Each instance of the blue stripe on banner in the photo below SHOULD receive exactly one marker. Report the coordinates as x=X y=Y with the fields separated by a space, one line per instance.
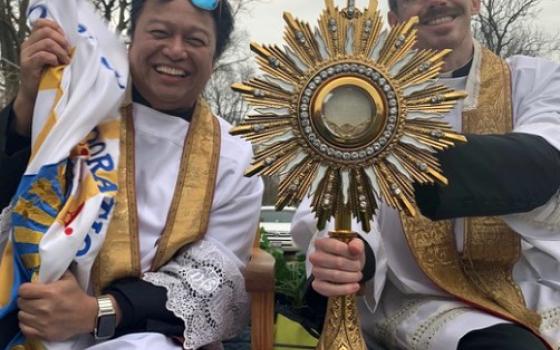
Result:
x=26 y=248
x=25 y=273
x=48 y=172
x=39 y=203
x=48 y=209
x=19 y=276
x=21 y=221
x=24 y=186
x=59 y=184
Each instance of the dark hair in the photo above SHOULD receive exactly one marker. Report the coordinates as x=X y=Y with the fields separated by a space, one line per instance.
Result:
x=222 y=15
x=393 y=5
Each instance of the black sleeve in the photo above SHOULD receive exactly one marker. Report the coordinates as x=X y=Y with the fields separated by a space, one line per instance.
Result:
x=369 y=268
x=143 y=308
x=493 y=175
x=15 y=151
x=9 y=327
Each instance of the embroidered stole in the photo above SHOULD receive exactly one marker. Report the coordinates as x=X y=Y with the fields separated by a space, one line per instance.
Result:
x=188 y=215
x=482 y=275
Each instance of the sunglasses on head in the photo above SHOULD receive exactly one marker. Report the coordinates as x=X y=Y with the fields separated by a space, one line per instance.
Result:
x=208 y=5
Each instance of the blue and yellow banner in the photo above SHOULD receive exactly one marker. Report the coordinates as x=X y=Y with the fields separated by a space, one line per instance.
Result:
x=60 y=213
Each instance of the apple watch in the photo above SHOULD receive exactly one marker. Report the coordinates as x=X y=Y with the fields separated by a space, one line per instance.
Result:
x=106 y=318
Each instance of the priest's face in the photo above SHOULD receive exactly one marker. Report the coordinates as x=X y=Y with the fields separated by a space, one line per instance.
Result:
x=444 y=24
x=172 y=53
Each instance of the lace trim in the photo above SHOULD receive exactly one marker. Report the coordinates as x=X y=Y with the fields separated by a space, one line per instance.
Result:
x=550 y=319
x=385 y=332
x=206 y=291
x=546 y=216
x=422 y=338
x=5 y=227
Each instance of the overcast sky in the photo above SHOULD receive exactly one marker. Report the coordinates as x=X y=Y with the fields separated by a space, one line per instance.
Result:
x=265 y=24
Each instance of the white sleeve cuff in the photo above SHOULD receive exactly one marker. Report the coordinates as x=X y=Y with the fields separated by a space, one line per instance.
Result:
x=206 y=291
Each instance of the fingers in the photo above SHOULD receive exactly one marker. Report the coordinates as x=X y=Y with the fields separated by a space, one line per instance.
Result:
x=349 y=250
x=35 y=328
x=45 y=39
x=45 y=52
x=45 y=47
x=356 y=247
x=336 y=276
x=36 y=307
x=30 y=321
x=29 y=332
x=57 y=310
x=333 y=254
x=333 y=262
x=337 y=266
x=333 y=247
x=45 y=28
x=30 y=291
x=333 y=290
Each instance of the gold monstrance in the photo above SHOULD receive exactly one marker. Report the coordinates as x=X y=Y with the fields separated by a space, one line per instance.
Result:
x=349 y=115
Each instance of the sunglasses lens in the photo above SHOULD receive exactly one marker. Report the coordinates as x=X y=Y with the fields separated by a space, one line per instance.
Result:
x=208 y=5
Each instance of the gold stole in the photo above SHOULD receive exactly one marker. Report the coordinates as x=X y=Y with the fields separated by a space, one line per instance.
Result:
x=482 y=275
x=188 y=215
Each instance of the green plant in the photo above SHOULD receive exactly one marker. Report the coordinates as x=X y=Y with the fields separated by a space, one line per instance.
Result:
x=291 y=285
x=290 y=274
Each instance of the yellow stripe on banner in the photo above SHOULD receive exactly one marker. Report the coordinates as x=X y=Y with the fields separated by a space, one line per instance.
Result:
x=31 y=261
x=30 y=344
x=25 y=235
x=34 y=344
x=110 y=129
x=6 y=274
x=44 y=190
x=50 y=80
x=61 y=176
x=29 y=210
x=49 y=124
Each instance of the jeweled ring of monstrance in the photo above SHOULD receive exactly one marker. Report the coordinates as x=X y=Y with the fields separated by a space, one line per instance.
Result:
x=350 y=115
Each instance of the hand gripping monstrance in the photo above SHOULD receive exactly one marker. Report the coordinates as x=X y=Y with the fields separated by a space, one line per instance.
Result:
x=349 y=115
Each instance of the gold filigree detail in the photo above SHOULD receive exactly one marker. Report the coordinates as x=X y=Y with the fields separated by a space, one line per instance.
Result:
x=302 y=138
x=342 y=328
x=482 y=275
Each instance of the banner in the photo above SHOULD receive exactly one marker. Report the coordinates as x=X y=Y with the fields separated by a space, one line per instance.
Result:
x=60 y=213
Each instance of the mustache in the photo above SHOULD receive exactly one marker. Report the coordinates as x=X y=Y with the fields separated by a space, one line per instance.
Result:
x=440 y=11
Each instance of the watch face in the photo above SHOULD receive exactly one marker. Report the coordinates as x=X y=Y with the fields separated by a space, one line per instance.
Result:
x=105 y=326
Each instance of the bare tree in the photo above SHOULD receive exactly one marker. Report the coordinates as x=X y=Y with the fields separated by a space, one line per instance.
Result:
x=236 y=65
x=507 y=27
x=116 y=12
x=225 y=102
x=13 y=30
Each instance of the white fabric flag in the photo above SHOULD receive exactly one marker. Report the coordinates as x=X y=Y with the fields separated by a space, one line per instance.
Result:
x=60 y=213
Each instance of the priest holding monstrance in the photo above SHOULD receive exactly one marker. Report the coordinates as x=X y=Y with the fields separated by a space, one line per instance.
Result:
x=446 y=284
x=463 y=247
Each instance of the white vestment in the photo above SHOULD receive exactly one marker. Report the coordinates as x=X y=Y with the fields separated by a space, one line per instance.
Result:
x=227 y=244
x=401 y=307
